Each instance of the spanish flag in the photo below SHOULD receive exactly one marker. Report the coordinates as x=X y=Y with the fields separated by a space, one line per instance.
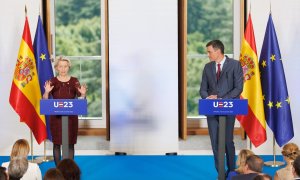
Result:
x=254 y=123
x=25 y=91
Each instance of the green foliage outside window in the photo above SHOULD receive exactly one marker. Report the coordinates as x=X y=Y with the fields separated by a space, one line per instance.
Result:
x=78 y=33
x=207 y=20
x=89 y=72
x=77 y=27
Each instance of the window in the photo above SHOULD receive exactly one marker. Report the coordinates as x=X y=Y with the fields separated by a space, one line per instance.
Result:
x=78 y=36
x=207 y=20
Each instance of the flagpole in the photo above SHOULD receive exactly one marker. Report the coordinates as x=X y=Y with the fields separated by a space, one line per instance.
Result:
x=45 y=158
x=274 y=163
x=45 y=150
x=45 y=72
x=31 y=149
x=31 y=144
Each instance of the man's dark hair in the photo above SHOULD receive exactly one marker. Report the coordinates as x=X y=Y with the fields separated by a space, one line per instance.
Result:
x=69 y=169
x=53 y=174
x=296 y=165
x=263 y=177
x=255 y=163
x=216 y=44
x=3 y=175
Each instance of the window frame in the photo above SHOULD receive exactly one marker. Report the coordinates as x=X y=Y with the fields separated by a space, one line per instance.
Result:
x=238 y=28
x=49 y=7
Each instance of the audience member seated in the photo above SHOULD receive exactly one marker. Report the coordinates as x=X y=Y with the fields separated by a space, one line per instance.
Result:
x=263 y=177
x=53 y=174
x=296 y=168
x=17 y=168
x=21 y=149
x=240 y=163
x=3 y=174
x=69 y=169
x=254 y=166
x=289 y=152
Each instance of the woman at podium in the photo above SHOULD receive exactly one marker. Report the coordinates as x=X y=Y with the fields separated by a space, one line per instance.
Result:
x=63 y=86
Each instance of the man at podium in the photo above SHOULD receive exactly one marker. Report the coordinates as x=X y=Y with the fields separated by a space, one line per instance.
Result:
x=221 y=78
x=63 y=86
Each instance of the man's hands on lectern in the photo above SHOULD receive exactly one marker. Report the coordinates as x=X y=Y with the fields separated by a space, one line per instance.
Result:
x=212 y=97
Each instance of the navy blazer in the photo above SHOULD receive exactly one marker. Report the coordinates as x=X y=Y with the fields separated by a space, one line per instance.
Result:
x=230 y=84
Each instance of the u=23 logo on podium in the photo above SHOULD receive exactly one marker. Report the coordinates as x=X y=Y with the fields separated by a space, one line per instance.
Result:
x=63 y=106
x=223 y=106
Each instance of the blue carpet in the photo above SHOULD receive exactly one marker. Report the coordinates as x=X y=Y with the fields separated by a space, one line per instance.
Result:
x=147 y=167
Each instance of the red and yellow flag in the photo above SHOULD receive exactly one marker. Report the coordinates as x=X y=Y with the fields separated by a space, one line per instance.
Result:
x=25 y=91
x=254 y=123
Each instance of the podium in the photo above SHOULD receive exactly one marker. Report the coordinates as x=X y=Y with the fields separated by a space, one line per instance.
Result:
x=222 y=107
x=64 y=107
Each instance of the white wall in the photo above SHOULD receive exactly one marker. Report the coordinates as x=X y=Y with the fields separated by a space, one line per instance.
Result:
x=12 y=20
x=286 y=20
x=285 y=16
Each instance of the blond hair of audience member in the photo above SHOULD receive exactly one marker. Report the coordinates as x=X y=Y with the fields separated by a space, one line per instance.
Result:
x=20 y=149
x=289 y=151
x=53 y=174
x=17 y=168
x=241 y=160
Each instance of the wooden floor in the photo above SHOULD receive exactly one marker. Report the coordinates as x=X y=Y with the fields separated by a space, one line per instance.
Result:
x=190 y=131
x=92 y=131
x=204 y=131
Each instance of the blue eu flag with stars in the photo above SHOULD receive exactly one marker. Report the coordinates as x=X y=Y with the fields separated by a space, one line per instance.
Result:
x=43 y=63
x=275 y=94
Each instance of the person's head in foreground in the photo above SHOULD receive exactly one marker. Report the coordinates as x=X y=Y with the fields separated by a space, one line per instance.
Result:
x=69 y=169
x=254 y=164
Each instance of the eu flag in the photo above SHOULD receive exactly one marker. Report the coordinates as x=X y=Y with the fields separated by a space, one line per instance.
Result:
x=43 y=63
x=276 y=97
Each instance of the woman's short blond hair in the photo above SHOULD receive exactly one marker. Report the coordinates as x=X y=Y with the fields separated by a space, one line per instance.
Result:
x=241 y=160
x=290 y=150
x=61 y=58
x=20 y=149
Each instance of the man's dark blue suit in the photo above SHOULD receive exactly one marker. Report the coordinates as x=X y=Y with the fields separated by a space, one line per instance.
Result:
x=229 y=86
